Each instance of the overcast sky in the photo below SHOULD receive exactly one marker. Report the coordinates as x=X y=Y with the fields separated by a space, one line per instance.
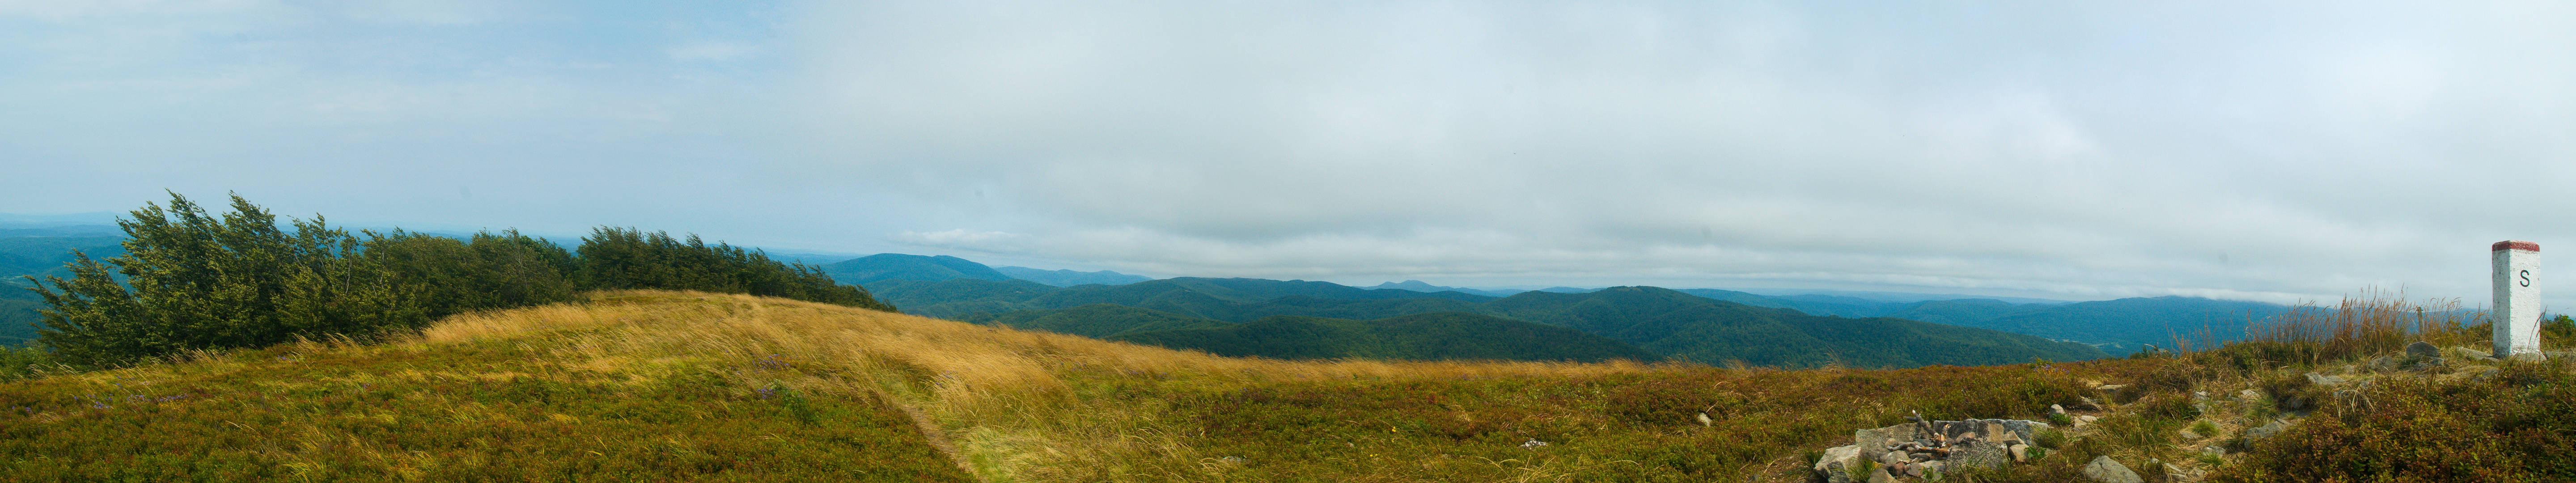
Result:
x=2279 y=152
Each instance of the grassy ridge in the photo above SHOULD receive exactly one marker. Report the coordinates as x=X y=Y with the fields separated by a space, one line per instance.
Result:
x=553 y=407
x=1013 y=406
x=691 y=386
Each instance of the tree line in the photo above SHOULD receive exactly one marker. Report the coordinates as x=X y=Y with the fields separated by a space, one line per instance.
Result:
x=192 y=280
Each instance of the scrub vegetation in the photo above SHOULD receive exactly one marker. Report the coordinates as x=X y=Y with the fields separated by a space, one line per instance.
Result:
x=401 y=357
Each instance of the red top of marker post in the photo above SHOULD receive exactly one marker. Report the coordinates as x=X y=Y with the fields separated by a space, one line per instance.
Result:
x=2515 y=245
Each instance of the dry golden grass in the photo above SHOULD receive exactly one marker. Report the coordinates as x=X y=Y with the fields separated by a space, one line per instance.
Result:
x=1004 y=399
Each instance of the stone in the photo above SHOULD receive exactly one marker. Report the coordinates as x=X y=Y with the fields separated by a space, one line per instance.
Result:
x=2266 y=430
x=2200 y=396
x=2250 y=394
x=2214 y=450
x=1914 y=471
x=1884 y=437
x=2175 y=474
x=2056 y=410
x=1979 y=455
x=2422 y=349
x=2428 y=363
x=2020 y=452
x=2187 y=433
x=2087 y=403
x=2324 y=380
x=2001 y=434
x=1880 y=476
x=2468 y=353
x=2112 y=387
x=1893 y=457
x=2517 y=304
x=1832 y=466
x=1934 y=466
x=2104 y=470
x=2384 y=364
x=2088 y=418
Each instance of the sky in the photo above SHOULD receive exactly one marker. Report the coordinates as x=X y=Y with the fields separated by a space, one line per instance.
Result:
x=2279 y=151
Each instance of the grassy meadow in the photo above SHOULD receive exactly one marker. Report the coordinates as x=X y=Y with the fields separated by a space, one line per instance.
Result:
x=689 y=386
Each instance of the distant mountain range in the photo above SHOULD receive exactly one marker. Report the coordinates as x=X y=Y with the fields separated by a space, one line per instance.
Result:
x=952 y=287
x=1068 y=278
x=1661 y=322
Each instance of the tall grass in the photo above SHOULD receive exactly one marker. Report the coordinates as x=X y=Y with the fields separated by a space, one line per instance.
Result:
x=2372 y=323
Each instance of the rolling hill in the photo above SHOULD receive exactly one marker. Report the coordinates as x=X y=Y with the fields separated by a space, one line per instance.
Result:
x=1436 y=336
x=1068 y=278
x=897 y=266
x=1663 y=322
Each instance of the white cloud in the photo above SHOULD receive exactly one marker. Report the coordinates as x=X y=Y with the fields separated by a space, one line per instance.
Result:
x=2268 y=151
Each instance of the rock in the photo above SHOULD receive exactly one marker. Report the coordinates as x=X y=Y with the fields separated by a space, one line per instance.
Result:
x=1979 y=455
x=1914 y=471
x=2112 y=387
x=2187 y=433
x=1893 y=457
x=2422 y=349
x=2087 y=418
x=2175 y=474
x=2468 y=353
x=2324 y=380
x=2429 y=363
x=2250 y=394
x=2214 y=450
x=2267 y=430
x=1832 y=466
x=2056 y=410
x=2104 y=470
x=2384 y=364
x=1880 y=476
x=1930 y=467
x=2087 y=403
x=2001 y=434
x=1883 y=437
x=2020 y=452
x=2200 y=396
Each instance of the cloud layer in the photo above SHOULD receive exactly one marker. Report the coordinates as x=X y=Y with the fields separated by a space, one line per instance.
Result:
x=2275 y=153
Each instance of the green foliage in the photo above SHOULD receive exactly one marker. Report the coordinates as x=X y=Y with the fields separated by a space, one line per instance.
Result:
x=486 y=271
x=623 y=258
x=2513 y=427
x=2559 y=332
x=194 y=281
x=190 y=280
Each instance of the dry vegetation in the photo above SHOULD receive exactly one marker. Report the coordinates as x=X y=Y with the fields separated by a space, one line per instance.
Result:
x=772 y=388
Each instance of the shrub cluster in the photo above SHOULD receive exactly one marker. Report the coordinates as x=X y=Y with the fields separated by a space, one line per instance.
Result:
x=190 y=280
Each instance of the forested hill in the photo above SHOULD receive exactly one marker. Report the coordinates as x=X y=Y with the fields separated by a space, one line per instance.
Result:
x=1663 y=322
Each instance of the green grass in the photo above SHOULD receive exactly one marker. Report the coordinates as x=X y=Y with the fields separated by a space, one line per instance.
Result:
x=499 y=410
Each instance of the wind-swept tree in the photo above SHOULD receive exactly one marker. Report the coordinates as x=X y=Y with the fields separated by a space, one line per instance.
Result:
x=192 y=281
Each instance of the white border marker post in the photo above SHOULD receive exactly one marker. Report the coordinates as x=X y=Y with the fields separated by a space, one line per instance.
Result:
x=2517 y=299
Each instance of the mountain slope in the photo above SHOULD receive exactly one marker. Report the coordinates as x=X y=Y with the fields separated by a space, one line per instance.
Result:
x=1068 y=278
x=2132 y=322
x=897 y=266
x=1440 y=336
x=1681 y=325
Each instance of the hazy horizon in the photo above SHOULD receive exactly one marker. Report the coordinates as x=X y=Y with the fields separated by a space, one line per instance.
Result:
x=2273 y=152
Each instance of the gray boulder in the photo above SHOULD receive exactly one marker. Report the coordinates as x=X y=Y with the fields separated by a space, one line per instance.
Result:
x=2105 y=470
x=1979 y=454
x=2266 y=430
x=2422 y=349
x=1834 y=466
